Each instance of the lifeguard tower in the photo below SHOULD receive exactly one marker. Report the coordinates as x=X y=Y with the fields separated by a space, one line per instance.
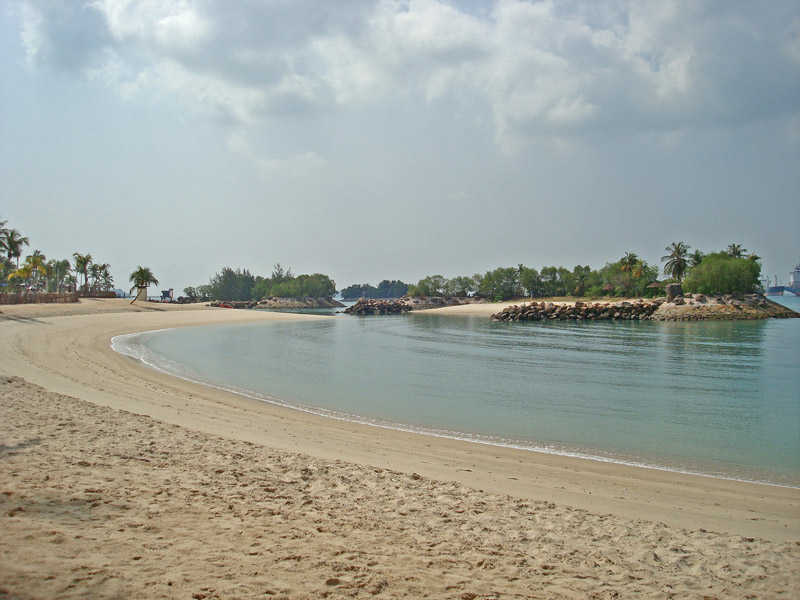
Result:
x=141 y=292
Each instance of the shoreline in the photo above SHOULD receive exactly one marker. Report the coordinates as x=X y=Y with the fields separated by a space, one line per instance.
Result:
x=436 y=433
x=118 y=480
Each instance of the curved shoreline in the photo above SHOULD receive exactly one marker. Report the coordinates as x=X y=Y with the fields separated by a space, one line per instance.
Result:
x=419 y=430
x=71 y=355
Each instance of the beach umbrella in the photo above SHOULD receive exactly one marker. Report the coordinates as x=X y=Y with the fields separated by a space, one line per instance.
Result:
x=655 y=284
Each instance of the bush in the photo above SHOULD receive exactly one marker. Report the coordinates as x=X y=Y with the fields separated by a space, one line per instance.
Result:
x=721 y=273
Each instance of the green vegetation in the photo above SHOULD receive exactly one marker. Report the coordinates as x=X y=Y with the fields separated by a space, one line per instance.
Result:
x=230 y=285
x=723 y=273
x=677 y=260
x=385 y=289
x=38 y=274
x=630 y=276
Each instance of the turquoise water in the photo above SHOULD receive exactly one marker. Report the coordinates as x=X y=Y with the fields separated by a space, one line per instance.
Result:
x=716 y=398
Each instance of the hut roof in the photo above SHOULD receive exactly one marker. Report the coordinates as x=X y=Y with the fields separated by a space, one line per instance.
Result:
x=655 y=284
x=608 y=286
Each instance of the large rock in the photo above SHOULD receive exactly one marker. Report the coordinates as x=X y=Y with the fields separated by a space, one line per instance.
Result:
x=673 y=291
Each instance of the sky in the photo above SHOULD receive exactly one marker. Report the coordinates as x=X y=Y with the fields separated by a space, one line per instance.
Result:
x=398 y=139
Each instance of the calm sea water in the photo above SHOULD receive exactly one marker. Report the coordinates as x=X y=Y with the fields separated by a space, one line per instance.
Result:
x=716 y=398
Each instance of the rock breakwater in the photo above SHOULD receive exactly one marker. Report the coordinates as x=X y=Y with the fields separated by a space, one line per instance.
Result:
x=687 y=307
x=367 y=306
x=580 y=311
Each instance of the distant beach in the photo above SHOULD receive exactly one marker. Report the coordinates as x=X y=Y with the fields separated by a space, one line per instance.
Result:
x=120 y=480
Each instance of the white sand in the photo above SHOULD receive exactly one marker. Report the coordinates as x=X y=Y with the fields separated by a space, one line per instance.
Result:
x=194 y=488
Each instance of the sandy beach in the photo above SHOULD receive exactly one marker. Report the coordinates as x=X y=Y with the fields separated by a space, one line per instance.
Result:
x=119 y=481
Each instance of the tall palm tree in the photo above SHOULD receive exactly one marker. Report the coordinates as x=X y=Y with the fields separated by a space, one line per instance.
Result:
x=142 y=277
x=677 y=260
x=82 y=263
x=12 y=244
x=736 y=250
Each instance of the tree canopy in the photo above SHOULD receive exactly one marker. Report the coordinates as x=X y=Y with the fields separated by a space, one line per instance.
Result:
x=678 y=260
x=385 y=289
x=722 y=273
x=240 y=284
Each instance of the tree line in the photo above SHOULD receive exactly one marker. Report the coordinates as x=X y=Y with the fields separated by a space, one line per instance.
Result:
x=727 y=271
x=239 y=284
x=385 y=289
x=38 y=274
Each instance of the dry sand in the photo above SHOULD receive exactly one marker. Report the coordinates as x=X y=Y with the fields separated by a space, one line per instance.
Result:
x=119 y=481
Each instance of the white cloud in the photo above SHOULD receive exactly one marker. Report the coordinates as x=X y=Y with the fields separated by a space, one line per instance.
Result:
x=542 y=68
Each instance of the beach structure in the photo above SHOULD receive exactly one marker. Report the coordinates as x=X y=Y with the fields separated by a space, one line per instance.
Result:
x=141 y=291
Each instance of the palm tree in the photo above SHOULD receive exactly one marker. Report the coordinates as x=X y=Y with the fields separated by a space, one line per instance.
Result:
x=12 y=243
x=82 y=262
x=637 y=269
x=628 y=262
x=95 y=270
x=30 y=271
x=37 y=263
x=22 y=275
x=677 y=260
x=736 y=250
x=580 y=274
x=58 y=272
x=695 y=258
x=142 y=277
x=106 y=280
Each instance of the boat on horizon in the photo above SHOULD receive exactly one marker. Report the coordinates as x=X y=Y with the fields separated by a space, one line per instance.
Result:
x=778 y=290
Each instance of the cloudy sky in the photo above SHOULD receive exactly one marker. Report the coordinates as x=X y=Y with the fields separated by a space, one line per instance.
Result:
x=398 y=139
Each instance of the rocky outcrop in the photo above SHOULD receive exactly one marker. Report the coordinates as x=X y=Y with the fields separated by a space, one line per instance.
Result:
x=681 y=308
x=280 y=303
x=736 y=307
x=368 y=306
x=580 y=311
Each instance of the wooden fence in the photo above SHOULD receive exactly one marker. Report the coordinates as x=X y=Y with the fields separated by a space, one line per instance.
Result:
x=41 y=298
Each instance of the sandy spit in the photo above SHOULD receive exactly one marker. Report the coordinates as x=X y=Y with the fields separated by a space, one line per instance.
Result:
x=119 y=481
